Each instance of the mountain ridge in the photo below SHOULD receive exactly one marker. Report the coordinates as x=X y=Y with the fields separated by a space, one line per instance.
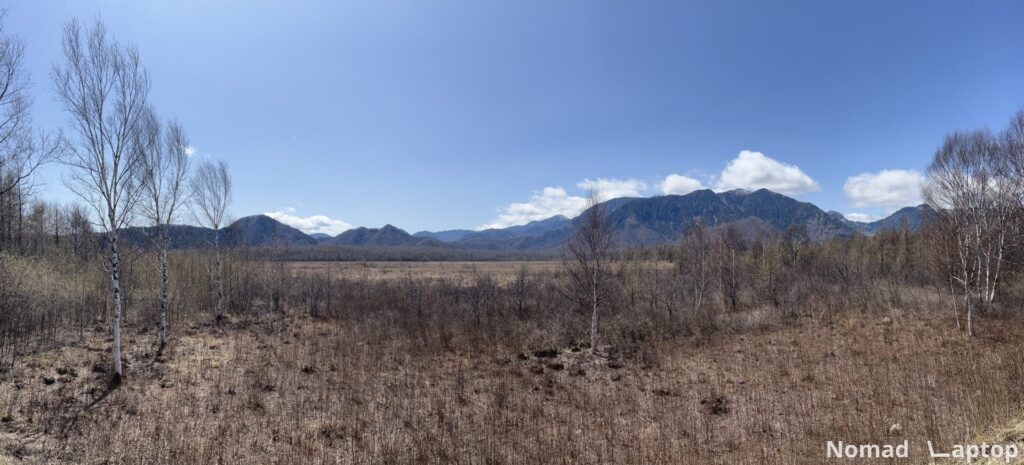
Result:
x=386 y=235
x=644 y=221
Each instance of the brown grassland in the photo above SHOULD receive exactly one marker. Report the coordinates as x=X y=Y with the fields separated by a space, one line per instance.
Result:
x=502 y=271
x=297 y=386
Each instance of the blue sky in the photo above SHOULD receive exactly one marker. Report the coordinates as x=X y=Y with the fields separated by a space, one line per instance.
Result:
x=458 y=114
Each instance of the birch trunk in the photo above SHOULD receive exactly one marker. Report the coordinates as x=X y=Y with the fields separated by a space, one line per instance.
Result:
x=970 y=311
x=956 y=311
x=999 y=267
x=593 y=314
x=164 y=286
x=220 y=281
x=115 y=281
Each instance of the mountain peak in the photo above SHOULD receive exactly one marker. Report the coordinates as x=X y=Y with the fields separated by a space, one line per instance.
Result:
x=837 y=215
x=450 y=235
x=767 y=191
x=387 y=235
x=262 y=230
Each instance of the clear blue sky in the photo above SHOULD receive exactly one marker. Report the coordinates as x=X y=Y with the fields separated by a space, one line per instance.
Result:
x=440 y=114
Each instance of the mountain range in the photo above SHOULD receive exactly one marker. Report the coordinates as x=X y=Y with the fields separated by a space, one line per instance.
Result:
x=633 y=221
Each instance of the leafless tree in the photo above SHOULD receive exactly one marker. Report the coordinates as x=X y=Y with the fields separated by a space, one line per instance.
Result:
x=211 y=197
x=58 y=223
x=973 y=187
x=950 y=194
x=103 y=87
x=23 y=147
x=694 y=264
x=81 y=238
x=586 y=261
x=1000 y=218
x=165 y=161
x=520 y=289
x=945 y=258
x=728 y=269
x=1012 y=143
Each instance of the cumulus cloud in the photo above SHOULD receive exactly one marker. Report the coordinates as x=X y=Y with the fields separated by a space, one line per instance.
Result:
x=545 y=204
x=861 y=217
x=614 y=188
x=311 y=224
x=753 y=170
x=679 y=184
x=886 y=188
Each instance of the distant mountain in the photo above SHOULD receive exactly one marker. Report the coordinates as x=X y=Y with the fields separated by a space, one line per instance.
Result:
x=262 y=230
x=514 y=237
x=250 y=231
x=658 y=220
x=839 y=216
x=538 y=227
x=664 y=219
x=751 y=229
x=450 y=235
x=385 y=236
x=913 y=217
x=633 y=221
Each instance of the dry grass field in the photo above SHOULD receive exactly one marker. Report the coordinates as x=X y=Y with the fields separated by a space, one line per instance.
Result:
x=480 y=363
x=501 y=271
x=302 y=390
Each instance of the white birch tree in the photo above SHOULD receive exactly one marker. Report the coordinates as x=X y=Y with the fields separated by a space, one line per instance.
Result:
x=586 y=261
x=694 y=264
x=164 y=169
x=973 y=187
x=103 y=88
x=211 y=196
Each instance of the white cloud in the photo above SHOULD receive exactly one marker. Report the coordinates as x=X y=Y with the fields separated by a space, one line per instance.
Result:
x=861 y=217
x=679 y=184
x=311 y=224
x=545 y=204
x=609 y=189
x=190 y=150
x=752 y=171
x=886 y=188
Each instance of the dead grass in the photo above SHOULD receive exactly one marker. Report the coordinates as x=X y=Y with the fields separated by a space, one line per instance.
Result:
x=311 y=391
x=500 y=271
x=1011 y=432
